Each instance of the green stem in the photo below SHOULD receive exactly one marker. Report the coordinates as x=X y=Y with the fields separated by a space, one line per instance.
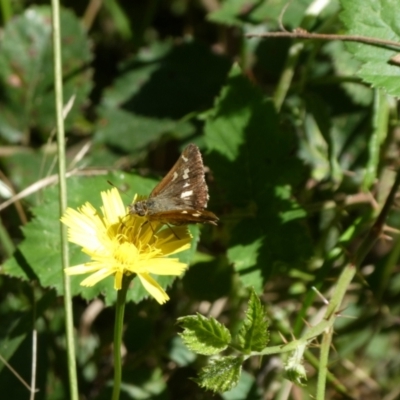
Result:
x=6 y=10
x=58 y=88
x=118 y=332
x=325 y=326
x=330 y=377
x=323 y=363
x=327 y=322
x=6 y=241
x=376 y=229
x=380 y=123
x=287 y=75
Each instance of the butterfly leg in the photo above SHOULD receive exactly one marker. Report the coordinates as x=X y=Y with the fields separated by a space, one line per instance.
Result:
x=169 y=226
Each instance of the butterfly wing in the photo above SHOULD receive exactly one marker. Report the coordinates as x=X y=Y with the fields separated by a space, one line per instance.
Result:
x=184 y=187
x=183 y=217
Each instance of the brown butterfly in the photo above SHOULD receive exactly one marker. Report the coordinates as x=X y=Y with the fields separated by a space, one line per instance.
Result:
x=181 y=196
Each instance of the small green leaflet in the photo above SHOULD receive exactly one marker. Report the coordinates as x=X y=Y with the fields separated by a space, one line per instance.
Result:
x=204 y=335
x=221 y=375
x=253 y=335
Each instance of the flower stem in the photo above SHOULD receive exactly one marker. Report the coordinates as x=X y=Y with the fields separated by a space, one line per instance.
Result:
x=58 y=89
x=118 y=331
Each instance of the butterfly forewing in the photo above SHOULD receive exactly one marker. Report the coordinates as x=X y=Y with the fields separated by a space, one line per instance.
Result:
x=181 y=196
x=184 y=185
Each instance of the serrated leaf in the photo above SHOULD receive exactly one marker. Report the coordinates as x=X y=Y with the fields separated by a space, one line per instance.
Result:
x=253 y=334
x=26 y=71
x=38 y=256
x=204 y=335
x=377 y=19
x=221 y=375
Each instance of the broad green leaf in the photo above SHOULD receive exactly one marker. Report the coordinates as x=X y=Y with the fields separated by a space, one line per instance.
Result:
x=376 y=19
x=245 y=255
x=204 y=335
x=129 y=131
x=38 y=256
x=253 y=334
x=255 y=167
x=155 y=91
x=26 y=71
x=221 y=375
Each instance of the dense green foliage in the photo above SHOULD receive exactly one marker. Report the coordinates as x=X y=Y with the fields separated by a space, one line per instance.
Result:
x=300 y=138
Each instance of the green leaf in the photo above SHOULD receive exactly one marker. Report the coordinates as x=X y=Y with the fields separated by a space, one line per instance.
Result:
x=253 y=334
x=255 y=168
x=247 y=147
x=130 y=131
x=377 y=19
x=221 y=375
x=204 y=335
x=177 y=76
x=119 y=18
x=26 y=71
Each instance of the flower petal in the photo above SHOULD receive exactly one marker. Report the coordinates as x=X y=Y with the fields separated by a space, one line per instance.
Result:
x=96 y=277
x=80 y=269
x=169 y=244
x=113 y=207
x=85 y=226
x=164 y=266
x=153 y=288
x=118 y=280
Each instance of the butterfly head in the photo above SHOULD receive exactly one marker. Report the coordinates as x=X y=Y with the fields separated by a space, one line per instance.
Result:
x=138 y=208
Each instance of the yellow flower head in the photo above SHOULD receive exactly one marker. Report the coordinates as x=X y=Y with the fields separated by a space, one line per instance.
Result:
x=119 y=243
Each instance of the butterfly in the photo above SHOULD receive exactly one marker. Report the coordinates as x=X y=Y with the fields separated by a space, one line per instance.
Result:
x=181 y=196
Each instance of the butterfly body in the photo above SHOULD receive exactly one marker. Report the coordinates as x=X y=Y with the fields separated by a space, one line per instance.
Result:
x=182 y=195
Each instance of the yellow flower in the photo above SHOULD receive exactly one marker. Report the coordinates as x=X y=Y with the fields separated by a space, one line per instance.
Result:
x=119 y=243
